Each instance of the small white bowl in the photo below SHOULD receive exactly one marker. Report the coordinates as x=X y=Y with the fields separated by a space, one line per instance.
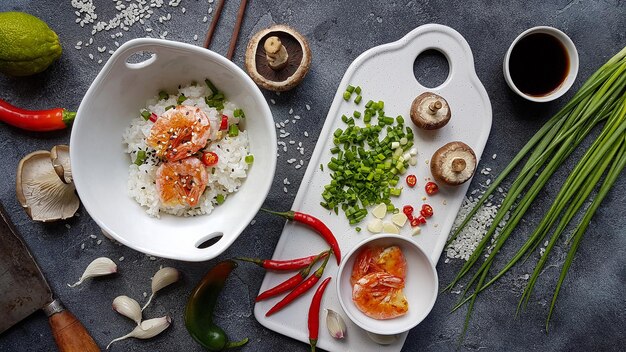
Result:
x=569 y=78
x=421 y=286
x=100 y=162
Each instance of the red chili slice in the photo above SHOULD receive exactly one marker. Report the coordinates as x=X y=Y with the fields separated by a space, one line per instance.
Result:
x=153 y=117
x=415 y=222
x=427 y=211
x=420 y=220
x=408 y=211
x=224 y=124
x=209 y=158
x=431 y=188
x=411 y=180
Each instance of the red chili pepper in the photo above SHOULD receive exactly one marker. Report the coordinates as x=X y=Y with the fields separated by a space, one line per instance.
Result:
x=427 y=211
x=314 y=313
x=285 y=265
x=411 y=180
x=431 y=188
x=224 y=124
x=408 y=211
x=315 y=224
x=35 y=120
x=153 y=117
x=415 y=222
x=299 y=290
x=289 y=283
x=209 y=158
x=420 y=220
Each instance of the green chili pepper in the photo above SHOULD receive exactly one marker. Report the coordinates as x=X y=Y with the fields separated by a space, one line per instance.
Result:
x=199 y=310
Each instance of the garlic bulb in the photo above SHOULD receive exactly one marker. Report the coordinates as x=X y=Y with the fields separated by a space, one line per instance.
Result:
x=99 y=267
x=128 y=307
x=335 y=324
x=147 y=329
x=164 y=277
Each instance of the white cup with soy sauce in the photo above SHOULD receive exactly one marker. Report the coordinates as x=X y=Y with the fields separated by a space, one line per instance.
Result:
x=541 y=64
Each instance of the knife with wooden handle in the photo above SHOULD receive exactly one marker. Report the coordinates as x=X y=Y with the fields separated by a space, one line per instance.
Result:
x=24 y=290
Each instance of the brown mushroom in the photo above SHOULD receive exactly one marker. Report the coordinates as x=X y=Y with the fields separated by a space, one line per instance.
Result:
x=60 y=155
x=40 y=190
x=278 y=58
x=430 y=111
x=453 y=164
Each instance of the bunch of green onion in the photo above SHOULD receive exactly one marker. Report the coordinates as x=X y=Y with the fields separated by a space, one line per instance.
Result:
x=601 y=100
x=364 y=168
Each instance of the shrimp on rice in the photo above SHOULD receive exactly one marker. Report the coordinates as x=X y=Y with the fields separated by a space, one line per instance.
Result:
x=181 y=182
x=180 y=132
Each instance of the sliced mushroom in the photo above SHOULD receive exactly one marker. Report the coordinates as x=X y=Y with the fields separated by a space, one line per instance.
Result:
x=453 y=164
x=430 y=111
x=41 y=192
x=278 y=58
x=60 y=155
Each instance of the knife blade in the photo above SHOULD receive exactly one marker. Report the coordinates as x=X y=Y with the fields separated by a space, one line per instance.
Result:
x=24 y=290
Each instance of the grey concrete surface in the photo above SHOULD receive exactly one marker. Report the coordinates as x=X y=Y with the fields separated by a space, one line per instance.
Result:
x=591 y=311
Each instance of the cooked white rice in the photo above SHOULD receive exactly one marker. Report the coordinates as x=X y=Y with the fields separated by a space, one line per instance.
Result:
x=224 y=178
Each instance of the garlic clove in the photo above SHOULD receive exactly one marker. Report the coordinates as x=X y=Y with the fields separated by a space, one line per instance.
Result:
x=99 y=267
x=147 y=329
x=164 y=277
x=335 y=324
x=416 y=231
x=128 y=307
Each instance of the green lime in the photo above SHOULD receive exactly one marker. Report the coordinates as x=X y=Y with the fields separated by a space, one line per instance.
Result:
x=27 y=44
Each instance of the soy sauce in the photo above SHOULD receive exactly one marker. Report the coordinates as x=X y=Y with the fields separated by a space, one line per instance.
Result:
x=538 y=64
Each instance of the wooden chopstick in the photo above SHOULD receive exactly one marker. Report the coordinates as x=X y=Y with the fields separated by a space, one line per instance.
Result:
x=216 y=17
x=235 y=35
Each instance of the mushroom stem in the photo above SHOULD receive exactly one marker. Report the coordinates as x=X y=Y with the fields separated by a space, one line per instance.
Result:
x=276 y=53
x=458 y=164
x=434 y=107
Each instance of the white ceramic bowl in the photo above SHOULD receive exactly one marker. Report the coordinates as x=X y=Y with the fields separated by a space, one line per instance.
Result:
x=421 y=286
x=100 y=164
x=569 y=78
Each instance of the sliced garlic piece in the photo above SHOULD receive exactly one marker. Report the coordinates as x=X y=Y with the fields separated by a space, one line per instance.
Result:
x=413 y=151
x=164 y=277
x=375 y=226
x=380 y=210
x=389 y=227
x=128 y=307
x=399 y=219
x=99 y=267
x=416 y=231
x=335 y=324
x=147 y=329
x=413 y=161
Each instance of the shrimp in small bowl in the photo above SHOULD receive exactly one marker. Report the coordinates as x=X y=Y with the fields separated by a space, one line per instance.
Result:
x=387 y=284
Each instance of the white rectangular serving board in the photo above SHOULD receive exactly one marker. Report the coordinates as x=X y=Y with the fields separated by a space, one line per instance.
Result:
x=384 y=73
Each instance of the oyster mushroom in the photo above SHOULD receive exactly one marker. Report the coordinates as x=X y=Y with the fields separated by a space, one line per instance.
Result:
x=40 y=190
x=278 y=58
x=60 y=156
x=430 y=111
x=453 y=164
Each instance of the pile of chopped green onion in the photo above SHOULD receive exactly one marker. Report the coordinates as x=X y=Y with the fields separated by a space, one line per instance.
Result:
x=364 y=168
x=601 y=100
